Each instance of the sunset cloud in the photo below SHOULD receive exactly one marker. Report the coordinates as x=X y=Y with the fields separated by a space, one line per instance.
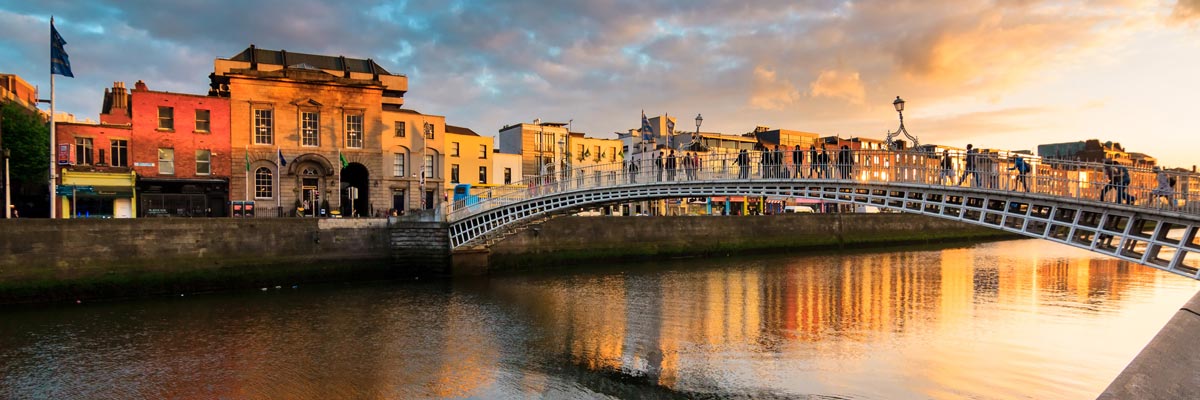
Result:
x=830 y=65
x=839 y=85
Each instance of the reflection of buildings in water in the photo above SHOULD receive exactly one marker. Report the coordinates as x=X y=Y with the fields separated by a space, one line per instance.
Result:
x=467 y=364
x=956 y=291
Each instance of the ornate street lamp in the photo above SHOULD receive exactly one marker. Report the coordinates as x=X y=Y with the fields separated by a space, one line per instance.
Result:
x=899 y=104
x=696 y=136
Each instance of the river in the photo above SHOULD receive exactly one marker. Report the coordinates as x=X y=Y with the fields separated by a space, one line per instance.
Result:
x=1011 y=319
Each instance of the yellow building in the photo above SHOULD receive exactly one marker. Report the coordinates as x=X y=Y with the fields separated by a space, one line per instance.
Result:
x=323 y=116
x=542 y=145
x=413 y=142
x=468 y=158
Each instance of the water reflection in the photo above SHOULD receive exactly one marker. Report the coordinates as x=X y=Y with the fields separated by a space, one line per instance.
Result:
x=942 y=323
x=998 y=320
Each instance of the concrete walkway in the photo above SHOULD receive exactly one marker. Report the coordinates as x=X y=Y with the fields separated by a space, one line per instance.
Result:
x=1169 y=366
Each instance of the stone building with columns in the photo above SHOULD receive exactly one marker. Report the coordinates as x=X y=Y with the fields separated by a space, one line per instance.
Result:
x=309 y=129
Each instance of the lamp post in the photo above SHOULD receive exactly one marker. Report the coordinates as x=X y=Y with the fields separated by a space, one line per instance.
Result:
x=699 y=120
x=7 y=190
x=899 y=105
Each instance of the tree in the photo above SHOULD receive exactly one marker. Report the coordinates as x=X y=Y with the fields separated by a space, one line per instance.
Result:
x=28 y=137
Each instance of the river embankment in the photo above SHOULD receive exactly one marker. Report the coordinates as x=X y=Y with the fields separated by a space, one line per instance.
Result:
x=68 y=260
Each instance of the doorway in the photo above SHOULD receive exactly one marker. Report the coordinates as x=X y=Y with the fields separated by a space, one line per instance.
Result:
x=355 y=190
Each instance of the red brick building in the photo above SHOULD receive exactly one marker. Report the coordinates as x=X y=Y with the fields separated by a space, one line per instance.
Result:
x=96 y=157
x=180 y=152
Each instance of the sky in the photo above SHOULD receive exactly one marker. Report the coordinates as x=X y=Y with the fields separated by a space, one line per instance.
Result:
x=1006 y=74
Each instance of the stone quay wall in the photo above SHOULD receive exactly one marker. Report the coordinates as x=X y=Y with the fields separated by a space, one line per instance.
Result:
x=566 y=240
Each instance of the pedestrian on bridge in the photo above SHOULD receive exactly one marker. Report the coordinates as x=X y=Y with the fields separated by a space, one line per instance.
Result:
x=658 y=164
x=697 y=165
x=686 y=161
x=743 y=162
x=633 y=171
x=797 y=161
x=1022 y=168
x=1166 y=187
x=823 y=162
x=845 y=162
x=671 y=164
x=1123 y=180
x=1110 y=172
x=947 y=167
x=813 y=171
x=970 y=167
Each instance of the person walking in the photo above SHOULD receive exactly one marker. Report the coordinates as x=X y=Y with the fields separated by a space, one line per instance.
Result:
x=845 y=162
x=969 y=168
x=813 y=171
x=823 y=160
x=1166 y=187
x=1110 y=172
x=658 y=165
x=687 y=166
x=1022 y=168
x=947 y=167
x=797 y=161
x=697 y=165
x=633 y=171
x=764 y=161
x=743 y=162
x=1123 y=179
x=671 y=164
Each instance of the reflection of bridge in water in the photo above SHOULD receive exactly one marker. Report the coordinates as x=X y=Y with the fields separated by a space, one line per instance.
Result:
x=1063 y=202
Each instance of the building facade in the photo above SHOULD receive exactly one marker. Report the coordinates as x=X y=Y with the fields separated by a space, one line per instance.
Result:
x=95 y=179
x=309 y=130
x=180 y=152
x=468 y=158
x=542 y=145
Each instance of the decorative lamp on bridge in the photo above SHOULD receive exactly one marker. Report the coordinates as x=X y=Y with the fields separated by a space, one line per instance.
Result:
x=696 y=136
x=899 y=105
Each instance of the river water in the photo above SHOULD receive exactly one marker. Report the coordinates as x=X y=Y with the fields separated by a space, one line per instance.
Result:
x=1013 y=319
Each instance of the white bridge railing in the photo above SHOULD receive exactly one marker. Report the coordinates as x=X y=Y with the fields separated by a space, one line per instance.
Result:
x=992 y=171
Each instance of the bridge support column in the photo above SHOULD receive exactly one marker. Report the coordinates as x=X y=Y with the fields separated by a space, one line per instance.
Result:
x=1166 y=367
x=470 y=262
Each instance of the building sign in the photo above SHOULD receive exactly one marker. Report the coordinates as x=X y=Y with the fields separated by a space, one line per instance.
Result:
x=143 y=164
x=64 y=154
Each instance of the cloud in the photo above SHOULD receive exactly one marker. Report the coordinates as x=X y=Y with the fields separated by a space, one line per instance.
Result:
x=770 y=92
x=839 y=85
x=1186 y=10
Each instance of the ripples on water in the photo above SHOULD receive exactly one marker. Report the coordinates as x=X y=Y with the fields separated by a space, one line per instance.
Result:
x=998 y=320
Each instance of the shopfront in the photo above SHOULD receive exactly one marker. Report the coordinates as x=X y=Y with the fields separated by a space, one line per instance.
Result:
x=92 y=194
x=182 y=197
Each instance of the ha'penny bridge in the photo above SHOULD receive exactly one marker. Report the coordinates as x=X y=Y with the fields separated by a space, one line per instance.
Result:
x=1062 y=204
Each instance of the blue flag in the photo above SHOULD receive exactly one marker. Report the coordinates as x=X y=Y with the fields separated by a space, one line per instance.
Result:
x=670 y=131
x=647 y=131
x=282 y=162
x=59 y=63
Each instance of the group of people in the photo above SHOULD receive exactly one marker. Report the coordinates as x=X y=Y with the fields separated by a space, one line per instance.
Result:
x=689 y=162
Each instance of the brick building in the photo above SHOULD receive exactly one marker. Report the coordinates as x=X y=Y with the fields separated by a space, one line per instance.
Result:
x=180 y=152
x=94 y=159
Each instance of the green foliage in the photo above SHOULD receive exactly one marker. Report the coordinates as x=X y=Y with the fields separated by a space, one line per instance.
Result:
x=28 y=137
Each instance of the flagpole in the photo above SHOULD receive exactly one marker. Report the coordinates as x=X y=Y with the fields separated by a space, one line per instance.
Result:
x=246 y=196
x=278 y=181
x=53 y=147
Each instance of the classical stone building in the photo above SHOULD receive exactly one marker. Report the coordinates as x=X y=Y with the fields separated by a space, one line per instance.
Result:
x=308 y=129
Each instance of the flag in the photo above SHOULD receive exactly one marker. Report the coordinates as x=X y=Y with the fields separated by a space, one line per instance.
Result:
x=647 y=131
x=247 y=161
x=670 y=130
x=282 y=162
x=342 y=157
x=59 y=63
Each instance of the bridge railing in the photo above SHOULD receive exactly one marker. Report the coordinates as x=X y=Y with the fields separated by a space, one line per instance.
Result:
x=990 y=171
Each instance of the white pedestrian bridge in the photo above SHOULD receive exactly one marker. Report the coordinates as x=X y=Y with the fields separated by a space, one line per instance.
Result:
x=1157 y=227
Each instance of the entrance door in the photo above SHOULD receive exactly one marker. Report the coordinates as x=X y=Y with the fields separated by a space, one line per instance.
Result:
x=308 y=196
x=428 y=200
x=398 y=201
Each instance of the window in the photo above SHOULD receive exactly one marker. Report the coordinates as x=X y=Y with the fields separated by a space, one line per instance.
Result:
x=482 y=175
x=354 y=131
x=202 y=120
x=483 y=151
x=166 y=118
x=203 y=162
x=429 y=131
x=453 y=173
x=262 y=183
x=612 y=154
x=166 y=161
x=596 y=152
x=398 y=165
x=508 y=176
x=264 y=132
x=101 y=159
x=309 y=131
x=120 y=153
x=453 y=149
x=83 y=151
x=429 y=166
x=399 y=128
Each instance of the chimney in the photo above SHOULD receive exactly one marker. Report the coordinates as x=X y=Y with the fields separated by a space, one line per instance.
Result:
x=118 y=96
x=140 y=86
x=253 y=57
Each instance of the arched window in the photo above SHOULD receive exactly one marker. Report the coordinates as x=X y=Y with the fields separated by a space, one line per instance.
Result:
x=262 y=183
x=309 y=171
